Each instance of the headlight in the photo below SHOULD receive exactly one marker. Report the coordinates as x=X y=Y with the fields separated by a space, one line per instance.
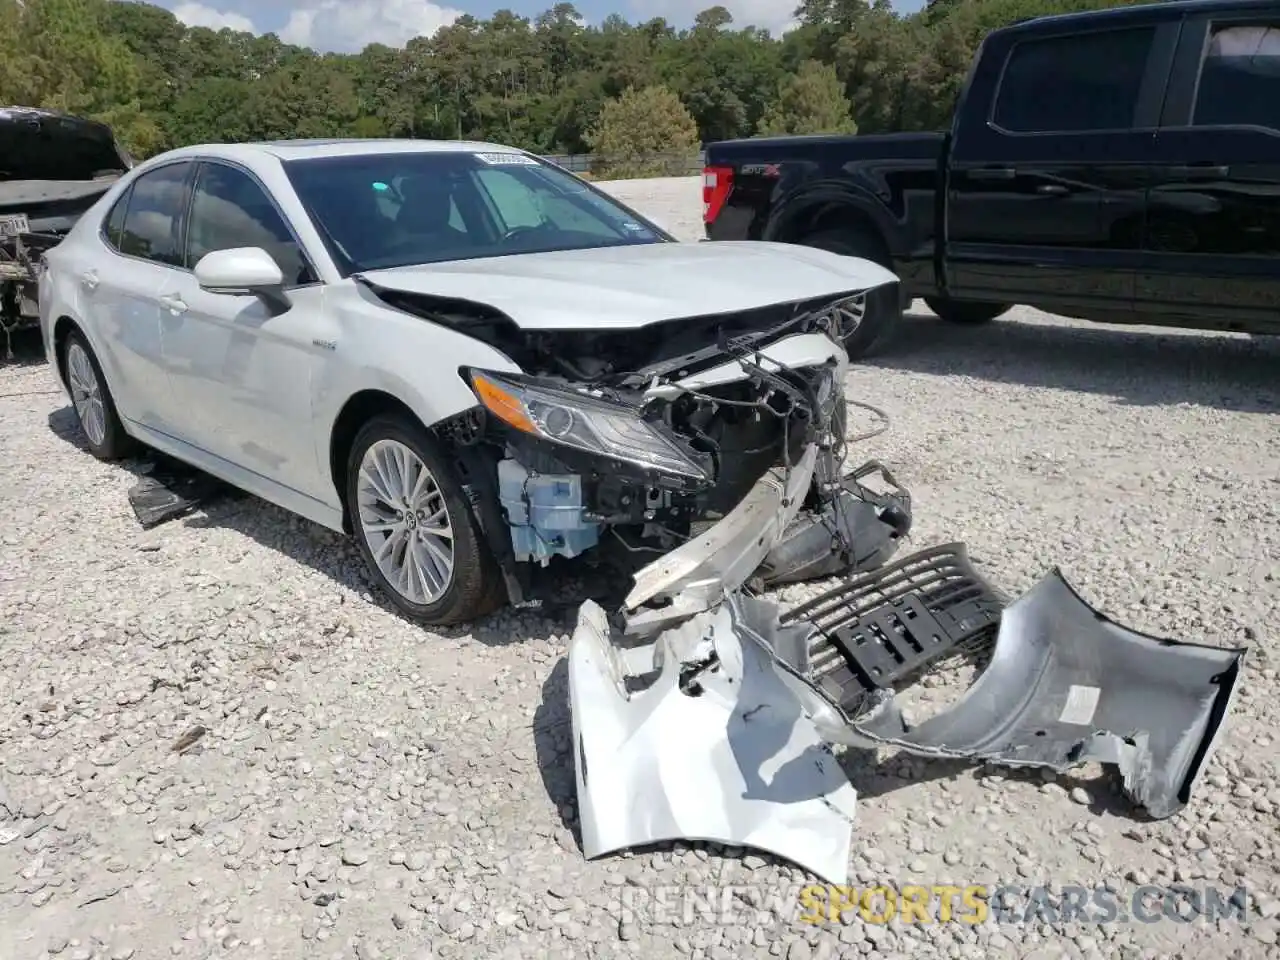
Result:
x=585 y=423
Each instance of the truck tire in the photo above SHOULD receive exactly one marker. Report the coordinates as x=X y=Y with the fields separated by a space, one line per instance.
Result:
x=970 y=313
x=858 y=242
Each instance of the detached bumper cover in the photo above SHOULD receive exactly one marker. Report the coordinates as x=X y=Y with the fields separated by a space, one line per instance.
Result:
x=726 y=741
x=1065 y=686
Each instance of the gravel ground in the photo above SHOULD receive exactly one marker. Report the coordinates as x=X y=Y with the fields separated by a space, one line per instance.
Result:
x=363 y=788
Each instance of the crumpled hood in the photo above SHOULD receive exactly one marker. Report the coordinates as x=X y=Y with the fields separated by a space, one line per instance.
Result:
x=641 y=284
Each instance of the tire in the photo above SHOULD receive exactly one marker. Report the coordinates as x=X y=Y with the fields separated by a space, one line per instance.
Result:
x=473 y=586
x=969 y=313
x=855 y=242
x=92 y=402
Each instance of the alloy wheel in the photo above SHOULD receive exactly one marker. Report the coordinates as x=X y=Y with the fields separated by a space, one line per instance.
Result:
x=405 y=522
x=86 y=395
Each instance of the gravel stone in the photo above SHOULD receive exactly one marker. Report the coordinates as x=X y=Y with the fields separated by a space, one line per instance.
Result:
x=366 y=787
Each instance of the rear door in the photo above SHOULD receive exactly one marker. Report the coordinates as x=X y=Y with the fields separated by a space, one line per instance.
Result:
x=1212 y=242
x=1049 y=166
x=121 y=292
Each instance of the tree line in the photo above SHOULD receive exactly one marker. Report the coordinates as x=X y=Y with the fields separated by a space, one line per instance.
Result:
x=550 y=84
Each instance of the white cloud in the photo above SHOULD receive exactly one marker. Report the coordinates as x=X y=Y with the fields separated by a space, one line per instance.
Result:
x=349 y=25
x=777 y=16
x=198 y=15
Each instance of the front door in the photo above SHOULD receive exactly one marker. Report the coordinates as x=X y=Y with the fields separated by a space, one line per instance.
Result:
x=1046 y=197
x=246 y=369
x=1212 y=247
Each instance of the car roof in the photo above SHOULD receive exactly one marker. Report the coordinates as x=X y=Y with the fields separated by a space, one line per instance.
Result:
x=1159 y=10
x=285 y=150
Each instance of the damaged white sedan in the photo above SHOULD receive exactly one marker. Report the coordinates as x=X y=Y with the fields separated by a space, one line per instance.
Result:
x=474 y=362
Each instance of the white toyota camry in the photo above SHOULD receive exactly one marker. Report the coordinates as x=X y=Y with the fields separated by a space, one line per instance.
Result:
x=464 y=356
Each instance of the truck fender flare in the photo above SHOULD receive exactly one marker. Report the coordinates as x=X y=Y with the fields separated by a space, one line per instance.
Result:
x=827 y=206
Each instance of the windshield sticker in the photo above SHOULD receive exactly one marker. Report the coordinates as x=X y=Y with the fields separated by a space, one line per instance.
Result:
x=507 y=159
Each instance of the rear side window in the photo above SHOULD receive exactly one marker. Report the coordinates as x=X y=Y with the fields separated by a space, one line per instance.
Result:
x=1240 y=77
x=113 y=229
x=153 y=223
x=230 y=209
x=1074 y=84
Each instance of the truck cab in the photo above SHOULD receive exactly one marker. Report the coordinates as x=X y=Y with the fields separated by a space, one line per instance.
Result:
x=1119 y=165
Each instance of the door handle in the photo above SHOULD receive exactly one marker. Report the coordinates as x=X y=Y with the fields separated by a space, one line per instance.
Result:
x=993 y=173
x=89 y=279
x=1194 y=171
x=1052 y=190
x=175 y=304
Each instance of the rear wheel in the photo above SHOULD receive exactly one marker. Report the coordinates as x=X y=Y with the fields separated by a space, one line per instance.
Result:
x=91 y=399
x=415 y=528
x=874 y=326
x=970 y=313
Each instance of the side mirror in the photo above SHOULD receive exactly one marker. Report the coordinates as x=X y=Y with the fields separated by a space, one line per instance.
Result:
x=243 y=271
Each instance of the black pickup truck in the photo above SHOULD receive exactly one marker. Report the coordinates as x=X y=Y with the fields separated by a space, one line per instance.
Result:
x=1121 y=166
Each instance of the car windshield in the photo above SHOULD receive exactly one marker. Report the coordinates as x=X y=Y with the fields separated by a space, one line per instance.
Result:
x=398 y=209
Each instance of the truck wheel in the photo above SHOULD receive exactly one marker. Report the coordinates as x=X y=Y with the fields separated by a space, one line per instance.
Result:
x=970 y=313
x=855 y=242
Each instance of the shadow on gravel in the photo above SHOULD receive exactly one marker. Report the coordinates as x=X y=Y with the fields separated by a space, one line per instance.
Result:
x=27 y=347
x=553 y=742
x=1140 y=368
x=899 y=772
x=334 y=556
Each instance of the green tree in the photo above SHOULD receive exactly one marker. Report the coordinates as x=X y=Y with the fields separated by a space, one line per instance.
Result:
x=644 y=133
x=548 y=83
x=812 y=101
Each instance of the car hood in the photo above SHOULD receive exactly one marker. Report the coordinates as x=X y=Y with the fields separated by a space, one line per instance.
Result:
x=637 y=285
x=44 y=145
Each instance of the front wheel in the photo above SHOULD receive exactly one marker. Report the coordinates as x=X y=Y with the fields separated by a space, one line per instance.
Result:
x=966 y=312
x=415 y=528
x=874 y=325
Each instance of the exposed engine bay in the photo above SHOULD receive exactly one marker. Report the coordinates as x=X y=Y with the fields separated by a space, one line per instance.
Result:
x=673 y=443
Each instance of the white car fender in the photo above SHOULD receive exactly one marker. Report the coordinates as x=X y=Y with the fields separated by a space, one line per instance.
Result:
x=409 y=358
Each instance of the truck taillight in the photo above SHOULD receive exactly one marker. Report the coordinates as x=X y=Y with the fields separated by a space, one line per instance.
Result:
x=716 y=184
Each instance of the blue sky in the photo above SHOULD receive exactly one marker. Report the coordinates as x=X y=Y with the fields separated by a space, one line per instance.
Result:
x=349 y=24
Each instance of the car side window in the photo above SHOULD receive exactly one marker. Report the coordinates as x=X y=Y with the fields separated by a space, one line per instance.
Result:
x=113 y=228
x=230 y=209
x=1240 y=77
x=153 y=222
x=1074 y=84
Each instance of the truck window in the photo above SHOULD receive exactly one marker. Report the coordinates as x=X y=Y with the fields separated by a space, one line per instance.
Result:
x=1240 y=77
x=1074 y=83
